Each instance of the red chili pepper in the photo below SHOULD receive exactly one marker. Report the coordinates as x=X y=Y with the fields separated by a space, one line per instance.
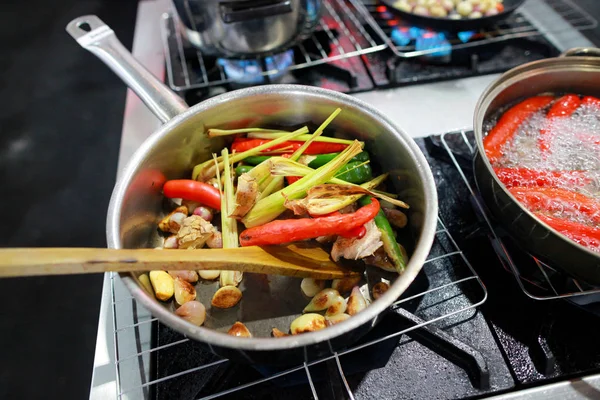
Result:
x=557 y=200
x=532 y=177
x=292 y=179
x=564 y=107
x=583 y=234
x=188 y=189
x=243 y=144
x=509 y=123
x=358 y=233
x=292 y=230
x=591 y=101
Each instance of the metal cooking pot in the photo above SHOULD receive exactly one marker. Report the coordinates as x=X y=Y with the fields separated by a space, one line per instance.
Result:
x=273 y=301
x=577 y=71
x=238 y=28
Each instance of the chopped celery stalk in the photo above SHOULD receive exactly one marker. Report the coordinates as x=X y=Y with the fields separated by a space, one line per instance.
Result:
x=302 y=138
x=270 y=207
x=276 y=182
x=225 y=132
x=207 y=170
x=228 y=224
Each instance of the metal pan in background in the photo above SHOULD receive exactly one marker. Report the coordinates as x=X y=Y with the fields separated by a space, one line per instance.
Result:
x=269 y=301
x=454 y=25
x=577 y=71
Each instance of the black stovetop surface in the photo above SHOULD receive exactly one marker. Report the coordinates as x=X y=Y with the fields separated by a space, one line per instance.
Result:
x=523 y=342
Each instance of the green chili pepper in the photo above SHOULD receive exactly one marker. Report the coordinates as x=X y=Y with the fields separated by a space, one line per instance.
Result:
x=255 y=160
x=323 y=159
x=391 y=247
x=354 y=172
x=242 y=169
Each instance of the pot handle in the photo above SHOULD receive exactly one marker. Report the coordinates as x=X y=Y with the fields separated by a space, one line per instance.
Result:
x=230 y=12
x=97 y=37
x=582 y=52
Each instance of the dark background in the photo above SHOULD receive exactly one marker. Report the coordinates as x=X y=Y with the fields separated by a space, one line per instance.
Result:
x=61 y=112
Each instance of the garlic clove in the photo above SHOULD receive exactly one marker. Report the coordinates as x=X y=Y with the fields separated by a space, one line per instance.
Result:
x=310 y=287
x=163 y=285
x=322 y=300
x=335 y=319
x=230 y=278
x=193 y=312
x=188 y=276
x=356 y=302
x=277 y=333
x=338 y=306
x=240 y=330
x=145 y=282
x=209 y=274
x=184 y=291
x=307 y=323
x=226 y=297
x=345 y=285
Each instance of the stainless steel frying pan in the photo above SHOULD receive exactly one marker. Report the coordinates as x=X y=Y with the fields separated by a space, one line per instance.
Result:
x=268 y=301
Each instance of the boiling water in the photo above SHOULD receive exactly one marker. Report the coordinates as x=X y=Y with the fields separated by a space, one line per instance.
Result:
x=574 y=145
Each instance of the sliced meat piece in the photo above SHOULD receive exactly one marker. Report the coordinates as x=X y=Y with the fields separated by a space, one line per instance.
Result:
x=353 y=248
x=194 y=232
x=245 y=196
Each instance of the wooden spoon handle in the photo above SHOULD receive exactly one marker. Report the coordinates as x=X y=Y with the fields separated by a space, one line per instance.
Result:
x=280 y=260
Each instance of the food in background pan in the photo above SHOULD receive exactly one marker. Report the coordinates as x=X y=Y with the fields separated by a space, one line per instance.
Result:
x=271 y=187
x=454 y=9
x=546 y=151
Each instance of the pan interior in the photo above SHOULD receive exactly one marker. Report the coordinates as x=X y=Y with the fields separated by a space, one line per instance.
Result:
x=268 y=301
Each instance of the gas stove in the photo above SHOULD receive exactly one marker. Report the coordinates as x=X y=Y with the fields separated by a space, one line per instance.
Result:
x=482 y=319
x=362 y=45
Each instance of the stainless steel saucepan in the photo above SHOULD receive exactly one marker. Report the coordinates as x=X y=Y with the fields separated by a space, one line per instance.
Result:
x=237 y=28
x=577 y=71
x=269 y=301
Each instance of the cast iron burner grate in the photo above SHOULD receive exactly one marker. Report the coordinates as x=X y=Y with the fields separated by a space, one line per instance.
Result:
x=541 y=340
x=536 y=279
x=408 y=41
x=344 y=33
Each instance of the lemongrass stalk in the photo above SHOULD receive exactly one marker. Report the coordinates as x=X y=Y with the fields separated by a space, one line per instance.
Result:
x=270 y=207
x=228 y=224
x=301 y=138
x=207 y=169
x=276 y=182
x=229 y=229
x=212 y=132
x=285 y=167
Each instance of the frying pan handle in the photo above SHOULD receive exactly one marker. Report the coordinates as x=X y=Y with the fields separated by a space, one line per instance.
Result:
x=582 y=52
x=97 y=37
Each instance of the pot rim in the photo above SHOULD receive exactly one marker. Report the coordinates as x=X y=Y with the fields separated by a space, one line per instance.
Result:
x=210 y=336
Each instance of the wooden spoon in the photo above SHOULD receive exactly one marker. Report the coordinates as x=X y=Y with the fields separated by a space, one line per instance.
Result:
x=292 y=260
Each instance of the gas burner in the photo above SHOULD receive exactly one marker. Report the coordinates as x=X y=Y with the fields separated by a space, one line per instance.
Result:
x=257 y=71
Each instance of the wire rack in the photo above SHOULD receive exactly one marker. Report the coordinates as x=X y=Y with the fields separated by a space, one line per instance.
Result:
x=561 y=15
x=345 y=31
x=133 y=347
x=535 y=282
